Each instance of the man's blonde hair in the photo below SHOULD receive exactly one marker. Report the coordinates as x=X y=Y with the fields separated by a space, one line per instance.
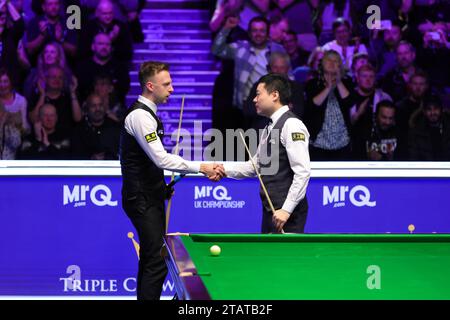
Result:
x=149 y=69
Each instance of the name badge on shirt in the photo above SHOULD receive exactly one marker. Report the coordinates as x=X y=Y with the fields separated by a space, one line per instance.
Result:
x=298 y=136
x=151 y=137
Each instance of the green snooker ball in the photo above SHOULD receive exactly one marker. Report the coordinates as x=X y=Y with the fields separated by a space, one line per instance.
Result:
x=215 y=250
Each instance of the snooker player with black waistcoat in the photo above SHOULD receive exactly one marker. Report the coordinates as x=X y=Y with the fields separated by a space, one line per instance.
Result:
x=286 y=186
x=143 y=160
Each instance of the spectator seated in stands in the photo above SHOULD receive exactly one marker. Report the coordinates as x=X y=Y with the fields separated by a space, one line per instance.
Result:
x=311 y=70
x=412 y=104
x=52 y=55
x=104 y=87
x=366 y=98
x=327 y=113
x=383 y=45
x=10 y=133
x=279 y=64
x=429 y=138
x=343 y=44
x=384 y=142
x=12 y=101
x=395 y=82
x=297 y=55
x=278 y=27
x=49 y=140
x=103 y=62
x=49 y=27
x=105 y=22
x=97 y=136
x=51 y=91
x=359 y=60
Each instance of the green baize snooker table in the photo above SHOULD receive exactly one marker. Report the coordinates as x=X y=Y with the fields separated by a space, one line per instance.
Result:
x=309 y=266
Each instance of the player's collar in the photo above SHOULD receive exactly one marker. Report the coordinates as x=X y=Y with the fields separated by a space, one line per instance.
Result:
x=277 y=114
x=148 y=103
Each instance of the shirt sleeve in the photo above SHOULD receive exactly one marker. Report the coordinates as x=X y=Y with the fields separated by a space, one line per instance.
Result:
x=295 y=138
x=241 y=169
x=143 y=127
x=221 y=48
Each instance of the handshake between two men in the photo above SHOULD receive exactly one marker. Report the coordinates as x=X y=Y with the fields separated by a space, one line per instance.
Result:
x=214 y=171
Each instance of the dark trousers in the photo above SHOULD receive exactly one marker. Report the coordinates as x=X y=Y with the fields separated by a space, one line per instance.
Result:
x=147 y=216
x=295 y=224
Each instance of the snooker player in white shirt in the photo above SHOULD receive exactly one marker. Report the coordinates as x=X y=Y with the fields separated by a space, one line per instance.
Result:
x=286 y=186
x=143 y=160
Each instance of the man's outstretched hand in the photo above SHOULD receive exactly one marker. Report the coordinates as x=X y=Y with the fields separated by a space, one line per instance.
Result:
x=213 y=171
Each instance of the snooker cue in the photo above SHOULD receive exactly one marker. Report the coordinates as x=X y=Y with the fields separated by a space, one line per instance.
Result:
x=169 y=203
x=259 y=176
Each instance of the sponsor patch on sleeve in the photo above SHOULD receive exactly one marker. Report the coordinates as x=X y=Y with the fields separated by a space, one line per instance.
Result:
x=298 y=136
x=151 y=137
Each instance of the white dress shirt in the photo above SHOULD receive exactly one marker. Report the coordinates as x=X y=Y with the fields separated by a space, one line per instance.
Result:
x=140 y=123
x=298 y=154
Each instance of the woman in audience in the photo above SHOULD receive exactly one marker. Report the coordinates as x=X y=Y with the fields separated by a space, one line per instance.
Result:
x=327 y=114
x=12 y=101
x=52 y=55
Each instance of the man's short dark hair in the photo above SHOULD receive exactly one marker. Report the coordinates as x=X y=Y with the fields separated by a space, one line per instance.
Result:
x=88 y=102
x=406 y=43
x=359 y=56
x=367 y=67
x=419 y=74
x=384 y=104
x=276 y=82
x=258 y=19
x=149 y=69
x=433 y=100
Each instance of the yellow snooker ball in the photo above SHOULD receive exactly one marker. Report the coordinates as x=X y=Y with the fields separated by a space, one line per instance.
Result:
x=215 y=250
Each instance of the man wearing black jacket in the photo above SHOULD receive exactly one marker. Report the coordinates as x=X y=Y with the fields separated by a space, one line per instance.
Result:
x=429 y=138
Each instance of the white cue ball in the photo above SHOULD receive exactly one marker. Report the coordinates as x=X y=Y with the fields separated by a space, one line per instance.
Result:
x=215 y=250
